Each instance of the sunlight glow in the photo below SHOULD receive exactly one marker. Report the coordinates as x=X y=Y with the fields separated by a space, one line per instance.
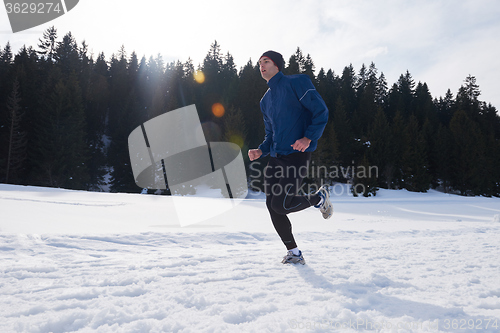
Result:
x=218 y=110
x=199 y=77
x=235 y=138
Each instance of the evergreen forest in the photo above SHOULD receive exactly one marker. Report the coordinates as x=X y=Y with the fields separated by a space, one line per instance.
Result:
x=65 y=118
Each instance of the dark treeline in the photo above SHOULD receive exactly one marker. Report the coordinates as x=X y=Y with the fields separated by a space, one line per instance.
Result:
x=65 y=119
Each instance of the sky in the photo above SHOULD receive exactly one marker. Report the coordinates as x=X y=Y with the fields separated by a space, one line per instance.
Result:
x=439 y=42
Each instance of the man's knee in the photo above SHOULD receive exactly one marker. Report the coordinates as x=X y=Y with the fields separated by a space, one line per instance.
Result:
x=276 y=204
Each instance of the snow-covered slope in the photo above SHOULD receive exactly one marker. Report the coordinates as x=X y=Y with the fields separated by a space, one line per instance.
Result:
x=101 y=262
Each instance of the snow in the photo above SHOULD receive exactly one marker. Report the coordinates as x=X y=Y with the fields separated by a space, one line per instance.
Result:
x=74 y=261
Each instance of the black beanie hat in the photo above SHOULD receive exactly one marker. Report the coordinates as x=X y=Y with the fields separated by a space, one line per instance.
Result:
x=276 y=57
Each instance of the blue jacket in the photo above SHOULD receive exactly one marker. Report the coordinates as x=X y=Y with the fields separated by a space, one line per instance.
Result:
x=292 y=109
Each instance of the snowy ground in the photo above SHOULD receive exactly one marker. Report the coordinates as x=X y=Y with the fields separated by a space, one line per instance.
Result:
x=100 y=262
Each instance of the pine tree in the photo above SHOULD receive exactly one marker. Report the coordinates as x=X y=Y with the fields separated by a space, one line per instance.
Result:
x=6 y=79
x=429 y=133
x=234 y=127
x=326 y=156
x=443 y=157
x=467 y=98
x=294 y=63
x=381 y=152
x=188 y=83
x=470 y=91
x=60 y=149
x=48 y=44
x=490 y=126
x=212 y=63
x=96 y=106
x=423 y=105
x=367 y=102
x=67 y=55
x=5 y=58
x=17 y=146
x=28 y=70
x=308 y=68
x=365 y=180
x=398 y=148
x=467 y=154
x=474 y=140
x=406 y=89
x=229 y=78
x=118 y=89
x=126 y=113
x=211 y=91
x=141 y=86
x=5 y=62
x=445 y=108
x=158 y=86
x=172 y=85
x=414 y=161
x=381 y=91
x=393 y=105
x=348 y=90
x=342 y=128
x=329 y=88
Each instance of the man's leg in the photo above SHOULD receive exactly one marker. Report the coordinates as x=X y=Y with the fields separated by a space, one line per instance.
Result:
x=281 y=222
x=286 y=198
x=282 y=182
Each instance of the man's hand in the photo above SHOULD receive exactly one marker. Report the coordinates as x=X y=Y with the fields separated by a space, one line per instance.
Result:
x=254 y=154
x=301 y=144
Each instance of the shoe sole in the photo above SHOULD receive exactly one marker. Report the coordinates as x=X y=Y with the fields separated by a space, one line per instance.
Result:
x=329 y=211
x=302 y=262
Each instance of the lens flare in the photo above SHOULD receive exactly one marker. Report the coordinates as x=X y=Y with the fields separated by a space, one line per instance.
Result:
x=199 y=76
x=235 y=138
x=218 y=110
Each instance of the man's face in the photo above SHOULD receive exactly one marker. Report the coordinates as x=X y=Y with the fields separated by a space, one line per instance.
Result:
x=267 y=68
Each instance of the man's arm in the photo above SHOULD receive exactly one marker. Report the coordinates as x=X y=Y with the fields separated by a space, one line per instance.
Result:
x=312 y=101
x=265 y=146
x=254 y=154
x=302 y=144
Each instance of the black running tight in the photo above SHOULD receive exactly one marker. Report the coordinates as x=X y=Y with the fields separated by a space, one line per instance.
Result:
x=283 y=179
